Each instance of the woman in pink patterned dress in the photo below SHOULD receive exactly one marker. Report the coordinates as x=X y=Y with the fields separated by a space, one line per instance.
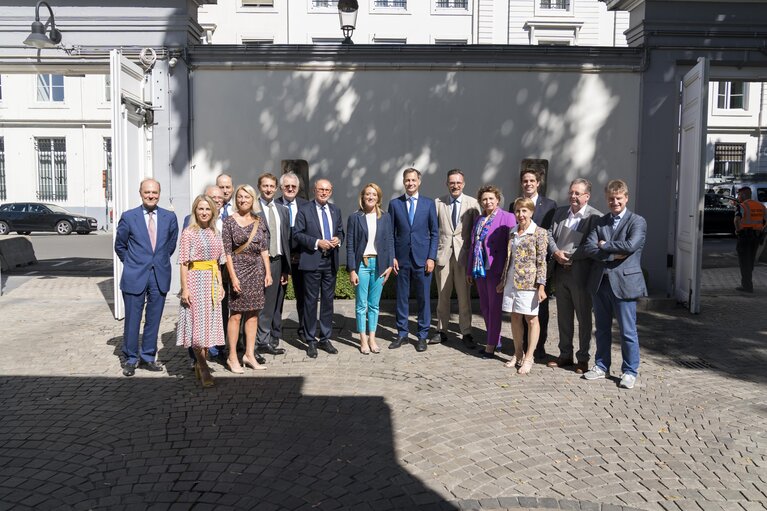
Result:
x=200 y=325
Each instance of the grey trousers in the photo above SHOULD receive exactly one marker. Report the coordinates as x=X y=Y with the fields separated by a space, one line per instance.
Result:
x=573 y=300
x=270 y=317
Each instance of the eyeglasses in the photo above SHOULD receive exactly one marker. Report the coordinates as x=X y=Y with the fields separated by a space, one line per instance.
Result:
x=290 y=187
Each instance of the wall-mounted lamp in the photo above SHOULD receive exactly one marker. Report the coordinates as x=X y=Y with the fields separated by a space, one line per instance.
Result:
x=37 y=38
x=347 y=13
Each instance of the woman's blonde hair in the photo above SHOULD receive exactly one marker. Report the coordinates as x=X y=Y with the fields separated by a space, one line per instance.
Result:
x=253 y=195
x=379 y=192
x=194 y=223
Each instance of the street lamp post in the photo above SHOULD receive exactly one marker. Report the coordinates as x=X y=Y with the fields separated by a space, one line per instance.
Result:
x=347 y=12
x=37 y=38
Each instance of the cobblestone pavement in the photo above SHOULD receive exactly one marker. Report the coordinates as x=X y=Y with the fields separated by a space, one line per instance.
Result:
x=400 y=430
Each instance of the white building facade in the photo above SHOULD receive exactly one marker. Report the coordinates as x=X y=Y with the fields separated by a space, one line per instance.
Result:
x=560 y=22
x=55 y=141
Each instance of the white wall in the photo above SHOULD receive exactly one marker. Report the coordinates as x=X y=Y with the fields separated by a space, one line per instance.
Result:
x=356 y=127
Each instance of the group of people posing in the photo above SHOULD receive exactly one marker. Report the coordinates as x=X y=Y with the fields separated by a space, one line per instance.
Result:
x=239 y=248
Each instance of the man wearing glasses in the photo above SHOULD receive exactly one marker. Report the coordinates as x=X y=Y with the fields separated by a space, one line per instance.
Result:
x=290 y=185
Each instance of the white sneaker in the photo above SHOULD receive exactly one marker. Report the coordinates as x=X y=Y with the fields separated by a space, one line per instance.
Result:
x=627 y=381
x=595 y=373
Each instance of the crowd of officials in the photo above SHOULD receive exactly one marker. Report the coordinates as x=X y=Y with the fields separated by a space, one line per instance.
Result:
x=240 y=247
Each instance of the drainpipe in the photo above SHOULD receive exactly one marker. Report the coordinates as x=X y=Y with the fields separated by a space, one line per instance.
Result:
x=759 y=134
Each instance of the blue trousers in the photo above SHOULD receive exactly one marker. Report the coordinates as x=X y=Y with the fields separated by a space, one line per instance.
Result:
x=411 y=275
x=607 y=306
x=134 y=311
x=368 y=296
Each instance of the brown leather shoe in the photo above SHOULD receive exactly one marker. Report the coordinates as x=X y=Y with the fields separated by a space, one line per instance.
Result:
x=581 y=367
x=560 y=362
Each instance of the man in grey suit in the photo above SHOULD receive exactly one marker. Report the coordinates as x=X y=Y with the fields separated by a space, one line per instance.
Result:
x=456 y=213
x=569 y=271
x=277 y=222
x=616 y=281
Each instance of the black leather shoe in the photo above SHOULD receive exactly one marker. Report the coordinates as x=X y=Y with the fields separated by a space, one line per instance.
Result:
x=129 y=369
x=468 y=341
x=261 y=360
x=438 y=338
x=311 y=350
x=421 y=346
x=328 y=347
x=397 y=343
x=154 y=367
x=268 y=348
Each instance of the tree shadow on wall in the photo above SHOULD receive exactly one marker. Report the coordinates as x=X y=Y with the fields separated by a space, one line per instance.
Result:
x=247 y=443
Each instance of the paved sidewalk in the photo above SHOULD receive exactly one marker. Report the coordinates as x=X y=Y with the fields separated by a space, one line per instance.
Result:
x=400 y=430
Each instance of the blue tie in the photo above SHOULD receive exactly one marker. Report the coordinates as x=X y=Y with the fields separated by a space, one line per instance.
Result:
x=290 y=212
x=225 y=213
x=616 y=221
x=411 y=211
x=325 y=224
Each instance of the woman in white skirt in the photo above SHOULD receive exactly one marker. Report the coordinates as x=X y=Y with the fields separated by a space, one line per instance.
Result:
x=523 y=281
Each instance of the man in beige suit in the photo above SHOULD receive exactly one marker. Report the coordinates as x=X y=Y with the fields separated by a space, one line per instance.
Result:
x=456 y=214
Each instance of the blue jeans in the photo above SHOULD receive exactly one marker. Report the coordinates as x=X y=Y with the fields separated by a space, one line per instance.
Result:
x=607 y=305
x=368 y=296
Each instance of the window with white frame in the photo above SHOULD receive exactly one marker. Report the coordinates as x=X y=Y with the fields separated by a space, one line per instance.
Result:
x=390 y=4
x=452 y=4
x=50 y=88
x=51 y=169
x=562 y=5
x=2 y=169
x=324 y=4
x=731 y=95
x=728 y=159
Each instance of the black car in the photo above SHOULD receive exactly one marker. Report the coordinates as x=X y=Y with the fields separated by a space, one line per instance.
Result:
x=718 y=214
x=25 y=217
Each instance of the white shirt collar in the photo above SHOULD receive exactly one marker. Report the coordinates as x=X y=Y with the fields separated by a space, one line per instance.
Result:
x=415 y=196
x=530 y=230
x=579 y=214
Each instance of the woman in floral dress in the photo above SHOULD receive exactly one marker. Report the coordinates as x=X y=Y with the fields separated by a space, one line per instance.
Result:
x=523 y=281
x=199 y=318
x=246 y=244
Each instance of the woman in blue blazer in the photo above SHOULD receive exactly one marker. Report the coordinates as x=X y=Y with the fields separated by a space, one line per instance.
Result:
x=369 y=259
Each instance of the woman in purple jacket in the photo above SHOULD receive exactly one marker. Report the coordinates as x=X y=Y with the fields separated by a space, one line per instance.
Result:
x=487 y=259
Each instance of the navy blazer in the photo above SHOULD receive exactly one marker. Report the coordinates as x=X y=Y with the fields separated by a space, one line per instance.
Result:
x=300 y=201
x=357 y=240
x=420 y=240
x=134 y=249
x=284 y=232
x=625 y=275
x=308 y=231
x=544 y=211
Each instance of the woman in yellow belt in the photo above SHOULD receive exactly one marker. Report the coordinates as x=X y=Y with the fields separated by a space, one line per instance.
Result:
x=199 y=320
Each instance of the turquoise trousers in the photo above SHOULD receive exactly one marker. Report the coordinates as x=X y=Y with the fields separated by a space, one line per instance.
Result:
x=368 y=296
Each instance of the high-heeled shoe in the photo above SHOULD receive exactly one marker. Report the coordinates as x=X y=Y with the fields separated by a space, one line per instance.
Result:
x=206 y=379
x=527 y=364
x=235 y=370
x=374 y=348
x=512 y=362
x=253 y=365
x=365 y=349
x=197 y=371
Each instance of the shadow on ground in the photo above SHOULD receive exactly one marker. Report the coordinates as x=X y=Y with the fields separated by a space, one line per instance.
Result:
x=247 y=443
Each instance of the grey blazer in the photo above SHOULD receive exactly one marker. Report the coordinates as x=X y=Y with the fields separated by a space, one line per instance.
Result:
x=625 y=275
x=284 y=233
x=581 y=262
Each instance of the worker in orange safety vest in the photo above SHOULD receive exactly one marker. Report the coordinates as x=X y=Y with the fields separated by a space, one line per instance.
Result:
x=749 y=228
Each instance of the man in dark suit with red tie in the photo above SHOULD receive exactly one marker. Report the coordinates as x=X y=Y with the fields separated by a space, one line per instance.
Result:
x=144 y=241
x=319 y=233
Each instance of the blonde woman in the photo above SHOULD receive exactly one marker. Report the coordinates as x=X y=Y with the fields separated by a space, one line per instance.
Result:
x=524 y=280
x=369 y=259
x=200 y=254
x=246 y=243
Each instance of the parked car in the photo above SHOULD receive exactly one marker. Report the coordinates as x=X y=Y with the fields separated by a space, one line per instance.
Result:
x=718 y=214
x=26 y=217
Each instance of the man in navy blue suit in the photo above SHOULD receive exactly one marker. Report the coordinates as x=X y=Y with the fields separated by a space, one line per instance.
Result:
x=144 y=241
x=319 y=232
x=416 y=237
x=530 y=181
